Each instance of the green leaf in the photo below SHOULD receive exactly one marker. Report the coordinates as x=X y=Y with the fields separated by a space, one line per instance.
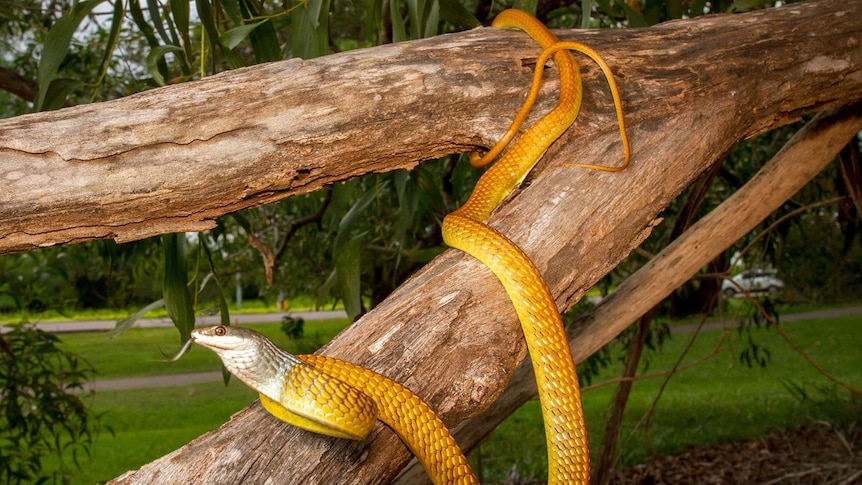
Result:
x=455 y=13
x=113 y=35
x=156 y=55
x=674 y=9
x=57 y=46
x=399 y=33
x=242 y=221
x=178 y=301
x=224 y=310
x=205 y=14
x=635 y=18
x=528 y=6
x=231 y=9
x=155 y=16
x=264 y=40
x=180 y=13
x=696 y=8
x=126 y=323
x=352 y=216
x=414 y=13
x=408 y=203
x=57 y=92
x=586 y=13
x=347 y=276
x=431 y=16
x=234 y=36
x=309 y=36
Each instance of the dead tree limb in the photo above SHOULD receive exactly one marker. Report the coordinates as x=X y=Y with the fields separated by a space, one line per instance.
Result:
x=175 y=158
x=801 y=159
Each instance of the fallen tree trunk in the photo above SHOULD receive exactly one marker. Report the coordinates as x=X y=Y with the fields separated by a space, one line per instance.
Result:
x=175 y=158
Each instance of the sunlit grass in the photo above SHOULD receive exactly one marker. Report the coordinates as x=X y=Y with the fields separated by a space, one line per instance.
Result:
x=143 y=351
x=718 y=400
x=248 y=307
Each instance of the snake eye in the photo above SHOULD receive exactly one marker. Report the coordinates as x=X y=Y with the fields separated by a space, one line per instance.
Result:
x=220 y=331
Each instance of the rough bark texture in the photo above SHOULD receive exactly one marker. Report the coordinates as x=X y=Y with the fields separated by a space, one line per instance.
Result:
x=804 y=156
x=174 y=158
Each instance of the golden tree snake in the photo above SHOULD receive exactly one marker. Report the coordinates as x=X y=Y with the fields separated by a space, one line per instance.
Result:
x=337 y=398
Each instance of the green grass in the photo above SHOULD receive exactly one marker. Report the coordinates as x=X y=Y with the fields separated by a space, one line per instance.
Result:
x=248 y=307
x=138 y=426
x=718 y=400
x=141 y=351
x=149 y=423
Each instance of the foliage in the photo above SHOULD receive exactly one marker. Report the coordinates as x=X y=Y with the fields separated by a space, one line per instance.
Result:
x=294 y=328
x=368 y=234
x=41 y=412
x=66 y=279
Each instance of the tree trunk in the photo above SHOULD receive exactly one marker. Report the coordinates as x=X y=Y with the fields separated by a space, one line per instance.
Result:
x=175 y=158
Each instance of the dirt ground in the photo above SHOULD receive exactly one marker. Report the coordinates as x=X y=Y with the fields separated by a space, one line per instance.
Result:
x=817 y=454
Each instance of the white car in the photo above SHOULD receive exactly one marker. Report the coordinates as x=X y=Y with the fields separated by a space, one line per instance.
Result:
x=752 y=281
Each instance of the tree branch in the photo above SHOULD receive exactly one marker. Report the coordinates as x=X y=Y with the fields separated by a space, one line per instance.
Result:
x=153 y=162
x=803 y=157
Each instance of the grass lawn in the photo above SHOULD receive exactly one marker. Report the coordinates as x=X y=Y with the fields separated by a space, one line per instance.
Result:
x=149 y=423
x=718 y=400
x=141 y=351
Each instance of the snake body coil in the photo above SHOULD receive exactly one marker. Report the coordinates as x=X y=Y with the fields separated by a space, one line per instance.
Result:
x=337 y=398
x=465 y=229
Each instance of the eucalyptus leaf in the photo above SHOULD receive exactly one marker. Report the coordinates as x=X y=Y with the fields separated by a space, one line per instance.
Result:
x=156 y=17
x=347 y=276
x=231 y=9
x=180 y=13
x=309 y=35
x=113 y=35
x=399 y=33
x=352 y=216
x=224 y=310
x=414 y=15
x=431 y=19
x=696 y=8
x=57 y=92
x=56 y=46
x=236 y=35
x=586 y=13
x=126 y=323
x=156 y=55
x=455 y=13
x=205 y=14
x=175 y=289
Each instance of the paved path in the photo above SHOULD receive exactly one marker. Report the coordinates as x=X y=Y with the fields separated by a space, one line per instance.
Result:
x=104 y=325
x=793 y=317
x=200 y=377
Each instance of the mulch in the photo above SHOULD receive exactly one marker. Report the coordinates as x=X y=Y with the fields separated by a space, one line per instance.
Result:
x=815 y=454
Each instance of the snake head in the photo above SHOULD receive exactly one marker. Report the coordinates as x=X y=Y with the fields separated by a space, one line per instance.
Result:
x=221 y=338
x=248 y=355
